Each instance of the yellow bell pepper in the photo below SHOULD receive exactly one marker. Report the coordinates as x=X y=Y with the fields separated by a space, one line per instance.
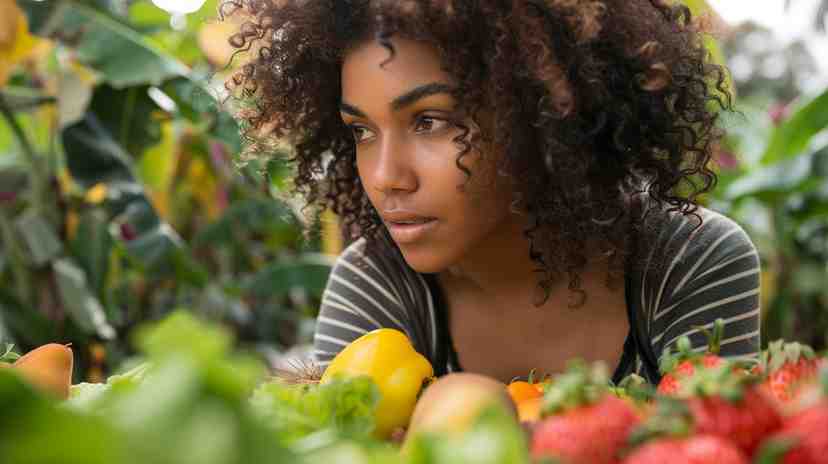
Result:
x=389 y=359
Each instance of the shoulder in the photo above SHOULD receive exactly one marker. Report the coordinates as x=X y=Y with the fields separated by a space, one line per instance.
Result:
x=365 y=272
x=371 y=286
x=708 y=269
x=374 y=262
x=671 y=240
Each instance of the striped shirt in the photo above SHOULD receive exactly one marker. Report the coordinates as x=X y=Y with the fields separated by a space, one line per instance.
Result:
x=687 y=277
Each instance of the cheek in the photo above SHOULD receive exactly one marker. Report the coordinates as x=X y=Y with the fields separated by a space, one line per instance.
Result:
x=486 y=189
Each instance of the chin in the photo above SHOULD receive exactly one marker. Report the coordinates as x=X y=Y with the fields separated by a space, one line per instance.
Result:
x=425 y=260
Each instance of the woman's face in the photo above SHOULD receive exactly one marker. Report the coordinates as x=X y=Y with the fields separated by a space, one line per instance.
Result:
x=399 y=116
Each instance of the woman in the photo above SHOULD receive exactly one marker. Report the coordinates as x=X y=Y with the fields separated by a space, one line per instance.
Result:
x=519 y=179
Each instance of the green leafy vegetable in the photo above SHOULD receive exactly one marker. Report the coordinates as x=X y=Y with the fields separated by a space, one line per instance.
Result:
x=296 y=411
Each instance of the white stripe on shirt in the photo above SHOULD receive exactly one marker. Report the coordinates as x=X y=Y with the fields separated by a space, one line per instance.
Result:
x=727 y=341
x=701 y=260
x=338 y=323
x=707 y=287
x=373 y=282
x=336 y=301
x=329 y=339
x=674 y=262
x=726 y=263
x=368 y=298
x=707 y=326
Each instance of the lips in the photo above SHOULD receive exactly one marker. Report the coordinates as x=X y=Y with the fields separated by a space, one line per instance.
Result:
x=408 y=226
x=411 y=221
x=403 y=218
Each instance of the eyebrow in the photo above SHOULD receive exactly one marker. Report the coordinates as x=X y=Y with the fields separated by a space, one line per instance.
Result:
x=406 y=99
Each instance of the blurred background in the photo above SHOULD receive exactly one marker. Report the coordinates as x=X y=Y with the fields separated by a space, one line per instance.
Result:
x=122 y=194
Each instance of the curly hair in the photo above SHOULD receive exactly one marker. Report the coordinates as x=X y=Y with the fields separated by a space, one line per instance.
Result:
x=594 y=101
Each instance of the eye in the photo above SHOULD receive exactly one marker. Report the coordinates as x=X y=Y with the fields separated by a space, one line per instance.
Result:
x=358 y=132
x=431 y=124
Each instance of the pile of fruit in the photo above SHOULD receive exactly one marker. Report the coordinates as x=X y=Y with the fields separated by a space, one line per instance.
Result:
x=190 y=399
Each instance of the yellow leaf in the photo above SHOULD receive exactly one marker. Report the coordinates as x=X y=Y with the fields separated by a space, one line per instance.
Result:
x=9 y=17
x=72 y=222
x=15 y=40
x=67 y=185
x=205 y=188
x=96 y=194
x=160 y=200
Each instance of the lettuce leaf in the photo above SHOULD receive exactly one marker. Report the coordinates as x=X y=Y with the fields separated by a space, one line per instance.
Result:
x=345 y=406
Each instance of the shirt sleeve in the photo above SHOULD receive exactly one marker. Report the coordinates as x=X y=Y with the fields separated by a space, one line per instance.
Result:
x=714 y=273
x=357 y=299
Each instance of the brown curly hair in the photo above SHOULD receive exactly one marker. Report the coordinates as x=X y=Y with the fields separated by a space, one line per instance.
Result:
x=593 y=101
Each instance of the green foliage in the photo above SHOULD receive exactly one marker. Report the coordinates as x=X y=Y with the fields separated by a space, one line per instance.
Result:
x=778 y=193
x=185 y=404
x=173 y=407
x=298 y=410
x=118 y=52
x=120 y=199
x=793 y=136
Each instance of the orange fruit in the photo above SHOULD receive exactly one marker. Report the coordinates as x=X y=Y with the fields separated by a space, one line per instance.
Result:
x=529 y=409
x=520 y=391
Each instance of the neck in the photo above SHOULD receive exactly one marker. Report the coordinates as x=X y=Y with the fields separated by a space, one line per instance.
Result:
x=500 y=267
x=502 y=272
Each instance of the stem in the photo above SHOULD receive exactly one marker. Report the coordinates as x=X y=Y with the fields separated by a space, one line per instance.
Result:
x=54 y=20
x=38 y=183
x=16 y=256
x=126 y=117
x=28 y=150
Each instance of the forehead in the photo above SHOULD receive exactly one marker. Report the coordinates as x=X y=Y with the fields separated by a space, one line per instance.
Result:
x=413 y=64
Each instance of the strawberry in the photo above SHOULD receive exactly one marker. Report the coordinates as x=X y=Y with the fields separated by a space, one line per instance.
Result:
x=583 y=422
x=678 y=368
x=803 y=438
x=670 y=435
x=696 y=449
x=731 y=406
x=789 y=367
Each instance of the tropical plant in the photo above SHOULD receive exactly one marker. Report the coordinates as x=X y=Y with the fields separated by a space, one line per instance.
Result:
x=120 y=192
x=779 y=192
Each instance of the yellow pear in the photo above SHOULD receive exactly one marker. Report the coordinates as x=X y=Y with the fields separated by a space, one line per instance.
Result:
x=48 y=367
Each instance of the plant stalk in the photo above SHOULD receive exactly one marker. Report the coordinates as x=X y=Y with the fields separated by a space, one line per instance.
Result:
x=20 y=271
x=38 y=183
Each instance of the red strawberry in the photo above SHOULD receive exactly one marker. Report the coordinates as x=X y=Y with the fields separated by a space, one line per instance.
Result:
x=697 y=449
x=678 y=368
x=584 y=422
x=789 y=368
x=731 y=406
x=803 y=438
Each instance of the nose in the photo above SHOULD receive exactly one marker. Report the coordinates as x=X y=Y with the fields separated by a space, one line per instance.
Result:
x=392 y=169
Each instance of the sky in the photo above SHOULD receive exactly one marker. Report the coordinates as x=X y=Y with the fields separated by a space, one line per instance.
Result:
x=795 y=23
